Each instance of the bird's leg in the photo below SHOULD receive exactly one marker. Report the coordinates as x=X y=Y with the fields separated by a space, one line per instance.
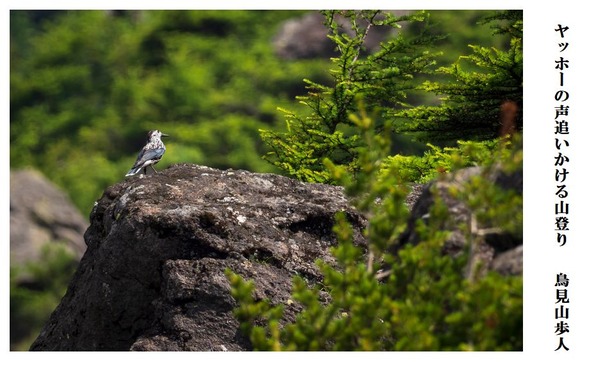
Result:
x=152 y=166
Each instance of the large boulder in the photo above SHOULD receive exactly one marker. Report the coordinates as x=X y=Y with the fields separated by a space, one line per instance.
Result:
x=41 y=214
x=153 y=276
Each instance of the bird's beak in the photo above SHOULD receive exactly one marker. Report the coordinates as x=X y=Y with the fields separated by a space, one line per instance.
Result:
x=164 y=135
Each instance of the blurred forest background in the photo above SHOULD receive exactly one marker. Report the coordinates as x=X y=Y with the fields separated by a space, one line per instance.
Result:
x=86 y=86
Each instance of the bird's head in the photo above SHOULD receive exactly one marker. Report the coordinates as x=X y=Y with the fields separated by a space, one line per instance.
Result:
x=156 y=134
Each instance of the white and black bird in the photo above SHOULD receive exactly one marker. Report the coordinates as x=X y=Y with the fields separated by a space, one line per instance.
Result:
x=150 y=154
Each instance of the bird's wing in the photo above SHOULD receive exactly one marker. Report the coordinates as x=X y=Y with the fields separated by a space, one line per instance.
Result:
x=148 y=154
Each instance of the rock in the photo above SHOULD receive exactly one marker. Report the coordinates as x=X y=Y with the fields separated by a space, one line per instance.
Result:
x=492 y=249
x=306 y=37
x=509 y=262
x=153 y=277
x=40 y=214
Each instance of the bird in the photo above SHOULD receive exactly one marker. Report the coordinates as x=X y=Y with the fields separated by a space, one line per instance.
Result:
x=150 y=154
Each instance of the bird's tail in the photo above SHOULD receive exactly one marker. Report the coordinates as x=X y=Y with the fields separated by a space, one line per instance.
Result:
x=133 y=171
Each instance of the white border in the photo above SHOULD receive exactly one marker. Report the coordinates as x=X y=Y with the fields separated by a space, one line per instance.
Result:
x=537 y=366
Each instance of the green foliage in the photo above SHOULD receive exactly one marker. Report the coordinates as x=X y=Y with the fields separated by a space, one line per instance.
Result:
x=381 y=79
x=492 y=205
x=35 y=290
x=413 y=298
x=436 y=160
x=388 y=80
x=92 y=83
x=473 y=89
x=86 y=86
x=249 y=312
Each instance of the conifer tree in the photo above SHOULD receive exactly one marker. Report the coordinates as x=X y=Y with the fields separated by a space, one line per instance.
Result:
x=471 y=93
x=381 y=79
x=474 y=90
